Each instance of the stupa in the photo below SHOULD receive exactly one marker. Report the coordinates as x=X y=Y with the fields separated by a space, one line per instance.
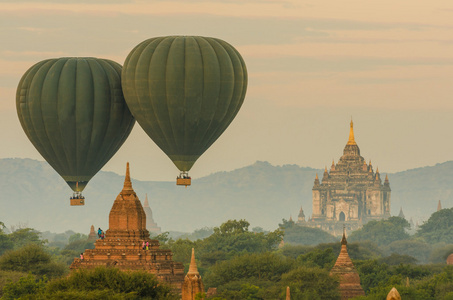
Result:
x=349 y=277
x=150 y=224
x=192 y=282
x=393 y=294
x=122 y=245
x=92 y=236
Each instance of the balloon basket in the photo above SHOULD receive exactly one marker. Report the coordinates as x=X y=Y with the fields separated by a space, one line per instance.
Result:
x=183 y=179
x=77 y=199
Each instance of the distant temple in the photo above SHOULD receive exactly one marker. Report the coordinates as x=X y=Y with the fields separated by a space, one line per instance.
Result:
x=349 y=277
x=122 y=246
x=150 y=224
x=351 y=193
x=92 y=236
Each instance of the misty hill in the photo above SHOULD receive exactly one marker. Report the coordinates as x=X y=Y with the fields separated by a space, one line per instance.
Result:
x=33 y=194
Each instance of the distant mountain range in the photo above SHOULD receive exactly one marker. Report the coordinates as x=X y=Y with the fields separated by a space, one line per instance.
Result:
x=33 y=194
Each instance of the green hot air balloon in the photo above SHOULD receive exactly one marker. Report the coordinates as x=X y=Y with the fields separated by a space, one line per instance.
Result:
x=74 y=113
x=184 y=91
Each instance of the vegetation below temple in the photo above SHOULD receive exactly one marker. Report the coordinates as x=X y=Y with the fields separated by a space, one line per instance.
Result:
x=244 y=263
x=260 y=193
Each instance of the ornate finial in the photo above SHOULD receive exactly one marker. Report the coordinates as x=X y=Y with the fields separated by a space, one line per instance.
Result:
x=439 y=206
x=386 y=177
x=316 y=178
x=351 y=140
x=127 y=180
x=193 y=264
x=343 y=240
x=325 y=169
x=288 y=295
x=377 y=170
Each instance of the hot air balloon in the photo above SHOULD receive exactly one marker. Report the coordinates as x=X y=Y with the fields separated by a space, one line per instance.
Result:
x=74 y=113
x=184 y=91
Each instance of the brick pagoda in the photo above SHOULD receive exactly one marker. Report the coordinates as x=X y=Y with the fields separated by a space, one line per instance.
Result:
x=193 y=284
x=122 y=245
x=349 y=277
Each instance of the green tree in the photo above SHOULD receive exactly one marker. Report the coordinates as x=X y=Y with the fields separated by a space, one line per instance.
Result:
x=31 y=258
x=25 y=236
x=252 y=268
x=324 y=259
x=77 y=237
x=307 y=235
x=27 y=285
x=233 y=238
x=415 y=248
x=438 y=228
x=110 y=281
x=382 y=232
x=309 y=283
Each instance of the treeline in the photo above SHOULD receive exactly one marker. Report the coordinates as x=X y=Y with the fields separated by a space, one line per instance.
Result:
x=245 y=263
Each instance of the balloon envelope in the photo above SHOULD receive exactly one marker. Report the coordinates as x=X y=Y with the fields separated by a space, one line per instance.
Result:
x=74 y=113
x=184 y=91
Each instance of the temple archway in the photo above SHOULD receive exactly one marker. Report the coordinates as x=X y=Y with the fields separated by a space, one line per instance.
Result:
x=342 y=216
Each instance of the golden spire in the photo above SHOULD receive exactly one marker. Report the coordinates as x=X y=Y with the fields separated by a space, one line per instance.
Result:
x=316 y=177
x=193 y=265
x=377 y=170
x=288 y=295
x=351 y=140
x=127 y=180
x=325 y=169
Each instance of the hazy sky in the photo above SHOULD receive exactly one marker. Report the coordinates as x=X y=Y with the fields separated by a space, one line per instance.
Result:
x=312 y=65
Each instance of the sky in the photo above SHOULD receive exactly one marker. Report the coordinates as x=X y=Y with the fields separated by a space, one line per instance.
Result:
x=312 y=65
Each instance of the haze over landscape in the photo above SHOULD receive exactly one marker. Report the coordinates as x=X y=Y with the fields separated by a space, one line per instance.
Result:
x=311 y=67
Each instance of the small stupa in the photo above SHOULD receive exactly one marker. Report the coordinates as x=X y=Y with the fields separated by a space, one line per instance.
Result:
x=92 y=236
x=150 y=224
x=450 y=259
x=393 y=295
x=192 y=282
x=349 y=277
x=122 y=245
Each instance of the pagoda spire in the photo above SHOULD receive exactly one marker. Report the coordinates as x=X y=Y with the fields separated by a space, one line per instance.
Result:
x=127 y=181
x=351 y=140
x=288 y=294
x=439 y=206
x=193 y=264
x=146 y=204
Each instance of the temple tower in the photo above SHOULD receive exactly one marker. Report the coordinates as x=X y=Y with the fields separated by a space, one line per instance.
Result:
x=192 y=282
x=92 y=236
x=122 y=245
x=301 y=216
x=349 y=277
x=150 y=224
x=351 y=193
x=439 y=206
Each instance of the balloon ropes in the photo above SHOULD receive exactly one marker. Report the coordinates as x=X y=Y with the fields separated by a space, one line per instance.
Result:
x=74 y=113
x=184 y=91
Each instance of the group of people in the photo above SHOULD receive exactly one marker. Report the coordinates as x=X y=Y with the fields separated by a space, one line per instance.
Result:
x=145 y=246
x=101 y=234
